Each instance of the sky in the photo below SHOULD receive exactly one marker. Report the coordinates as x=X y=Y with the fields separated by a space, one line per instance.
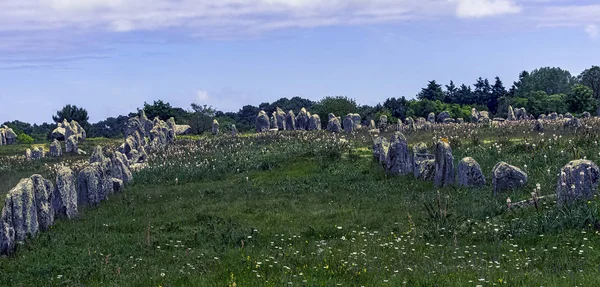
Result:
x=111 y=56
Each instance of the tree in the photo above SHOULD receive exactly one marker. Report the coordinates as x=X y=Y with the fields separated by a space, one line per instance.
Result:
x=201 y=119
x=165 y=111
x=591 y=78
x=482 y=92
x=464 y=95
x=432 y=92
x=498 y=91
x=339 y=106
x=450 y=95
x=552 y=80
x=109 y=128
x=397 y=107
x=72 y=112
x=580 y=99
x=204 y=109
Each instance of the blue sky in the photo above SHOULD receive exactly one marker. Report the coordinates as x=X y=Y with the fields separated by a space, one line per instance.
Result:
x=109 y=56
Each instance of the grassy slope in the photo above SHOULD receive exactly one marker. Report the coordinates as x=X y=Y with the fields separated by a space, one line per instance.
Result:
x=319 y=224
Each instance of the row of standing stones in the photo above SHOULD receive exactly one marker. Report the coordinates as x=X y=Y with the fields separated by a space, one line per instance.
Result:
x=35 y=202
x=578 y=180
x=280 y=120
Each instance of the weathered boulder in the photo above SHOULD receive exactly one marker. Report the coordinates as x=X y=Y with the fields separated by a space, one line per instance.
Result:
x=44 y=195
x=443 y=116
x=65 y=194
x=348 y=124
x=552 y=116
x=431 y=118
x=71 y=145
x=399 y=158
x=234 y=130
x=182 y=129
x=273 y=123
x=7 y=136
x=90 y=186
x=483 y=115
x=356 y=118
x=380 y=150
x=538 y=126
x=578 y=180
x=302 y=120
x=585 y=115
x=290 y=121
x=572 y=123
x=334 y=124
x=120 y=169
x=506 y=176
x=511 y=114
x=262 y=122
x=314 y=123
x=444 y=164
x=383 y=122
x=424 y=163
x=37 y=153
x=215 y=127
x=568 y=116
x=55 y=149
x=521 y=114
x=7 y=230
x=542 y=117
x=469 y=173
x=410 y=124
x=97 y=155
x=280 y=115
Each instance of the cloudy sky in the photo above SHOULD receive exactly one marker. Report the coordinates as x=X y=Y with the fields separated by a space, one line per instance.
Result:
x=110 y=56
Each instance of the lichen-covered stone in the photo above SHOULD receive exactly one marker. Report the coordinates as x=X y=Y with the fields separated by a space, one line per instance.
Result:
x=356 y=118
x=511 y=114
x=97 y=155
x=469 y=173
x=280 y=115
x=7 y=136
x=182 y=129
x=55 y=149
x=383 y=122
x=37 y=153
x=410 y=124
x=431 y=118
x=290 y=121
x=302 y=120
x=444 y=164
x=380 y=150
x=28 y=154
x=90 y=186
x=573 y=123
x=65 y=194
x=506 y=176
x=71 y=145
x=578 y=180
x=334 y=124
x=441 y=117
x=399 y=158
x=314 y=123
x=424 y=168
x=474 y=115
x=585 y=115
x=44 y=195
x=7 y=230
x=552 y=116
x=348 y=124
x=262 y=122
x=215 y=127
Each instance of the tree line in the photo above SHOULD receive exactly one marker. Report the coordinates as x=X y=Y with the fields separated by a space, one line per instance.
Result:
x=541 y=91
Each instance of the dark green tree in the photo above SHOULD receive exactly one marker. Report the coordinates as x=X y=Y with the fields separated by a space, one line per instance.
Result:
x=464 y=95
x=432 y=92
x=338 y=105
x=580 y=99
x=498 y=91
x=591 y=78
x=552 y=80
x=450 y=95
x=72 y=112
x=164 y=111
x=397 y=107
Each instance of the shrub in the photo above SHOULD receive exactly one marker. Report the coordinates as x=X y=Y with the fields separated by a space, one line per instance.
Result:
x=24 y=138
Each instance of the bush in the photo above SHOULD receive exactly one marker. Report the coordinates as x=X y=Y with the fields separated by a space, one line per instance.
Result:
x=24 y=138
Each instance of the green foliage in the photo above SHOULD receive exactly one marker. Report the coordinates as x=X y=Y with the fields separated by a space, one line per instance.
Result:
x=551 y=80
x=24 y=139
x=591 y=78
x=422 y=108
x=72 y=112
x=109 y=128
x=339 y=106
x=165 y=111
x=580 y=99
x=432 y=92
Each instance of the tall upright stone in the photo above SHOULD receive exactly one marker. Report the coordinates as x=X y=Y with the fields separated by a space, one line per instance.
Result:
x=469 y=173
x=290 y=121
x=431 y=118
x=444 y=164
x=302 y=120
x=65 y=194
x=578 y=180
x=511 y=114
x=334 y=125
x=262 y=122
x=215 y=127
x=280 y=115
x=348 y=124
x=443 y=117
x=399 y=158
x=55 y=149
x=71 y=145
x=314 y=123
x=383 y=122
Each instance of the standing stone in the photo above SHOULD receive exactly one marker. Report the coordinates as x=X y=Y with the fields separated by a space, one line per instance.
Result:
x=511 y=114
x=262 y=122
x=383 y=122
x=334 y=125
x=474 y=115
x=37 y=153
x=348 y=124
x=97 y=155
x=410 y=123
x=55 y=149
x=356 y=119
x=273 y=123
x=424 y=163
x=484 y=115
x=552 y=116
x=380 y=150
x=443 y=116
x=542 y=117
x=314 y=123
x=44 y=195
x=538 y=127
x=24 y=210
x=302 y=120
x=521 y=114
x=290 y=121
x=28 y=154
x=578 y=180
x=372 y=125
x=444 y=164
x=7 y=229
x=215 y=128
x=506 y=176
x=120 y=169
x=71 y=145
x=65 y=194
x=431 y=118
x=90 y=187
x=585 y=115
x=568 y=116
x=234 y=130
x=573 y=123
x=399 y=158
x=280 y=115
x=469 y=173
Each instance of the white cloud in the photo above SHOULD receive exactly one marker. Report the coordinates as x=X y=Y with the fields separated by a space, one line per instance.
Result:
x=592 y=31
x=202 y=96
x=485 y=8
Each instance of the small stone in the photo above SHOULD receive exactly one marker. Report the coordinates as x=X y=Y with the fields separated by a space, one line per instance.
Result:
x=469 y=173
x=506 y=177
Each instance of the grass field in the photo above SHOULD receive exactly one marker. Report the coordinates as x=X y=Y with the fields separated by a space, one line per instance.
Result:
x=314 y=209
